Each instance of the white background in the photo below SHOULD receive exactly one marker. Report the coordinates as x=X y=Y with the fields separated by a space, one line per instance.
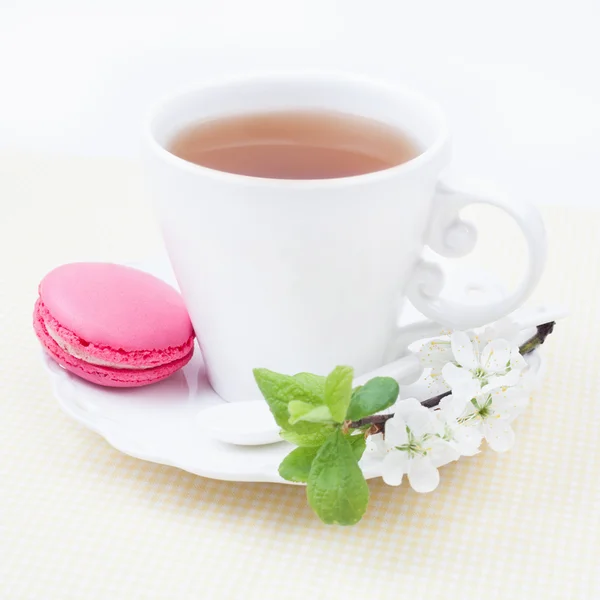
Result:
x=519 y=79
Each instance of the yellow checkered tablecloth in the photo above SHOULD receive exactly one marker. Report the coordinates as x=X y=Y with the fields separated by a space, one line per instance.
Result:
x=79 y=520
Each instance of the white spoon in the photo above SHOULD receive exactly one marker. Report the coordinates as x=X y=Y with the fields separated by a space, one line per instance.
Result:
x=240 y=423
x=252 y=424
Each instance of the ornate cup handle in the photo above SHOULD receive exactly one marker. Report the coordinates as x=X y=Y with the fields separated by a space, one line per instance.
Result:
x=450 y=236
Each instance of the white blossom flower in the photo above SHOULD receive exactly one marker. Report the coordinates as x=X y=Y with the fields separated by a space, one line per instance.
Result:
x=466 y=440
x=490 y=413
x=484 y=371
x=437 y=352
x=415 y=447
x=434 y=354
x=499 y=364
x=376 y=444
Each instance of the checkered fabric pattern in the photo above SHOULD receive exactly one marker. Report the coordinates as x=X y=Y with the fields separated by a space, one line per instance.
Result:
x=79 y=520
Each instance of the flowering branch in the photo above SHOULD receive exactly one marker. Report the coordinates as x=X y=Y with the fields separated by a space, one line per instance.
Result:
x=543 y=331
x=332 y=423
x=377 y=421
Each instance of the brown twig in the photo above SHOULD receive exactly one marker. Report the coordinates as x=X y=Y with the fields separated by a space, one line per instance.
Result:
x=377 y=421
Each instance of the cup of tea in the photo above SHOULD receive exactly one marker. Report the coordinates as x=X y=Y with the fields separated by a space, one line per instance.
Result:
x=295 y=209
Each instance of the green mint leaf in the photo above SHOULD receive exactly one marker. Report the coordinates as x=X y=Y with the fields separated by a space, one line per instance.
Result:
x=310 y=439
x=302 y=411
x=376 y=395
x=312 y=383
x=336 y=488
x=358 y=444
x=296 y=465
x=338 y=390
x=278 y=390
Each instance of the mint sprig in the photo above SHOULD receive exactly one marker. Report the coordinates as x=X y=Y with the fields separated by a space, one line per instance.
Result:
x=296 y=465
x=336 y=488
x=376 y=395
x=315 y=414
x=338 y=392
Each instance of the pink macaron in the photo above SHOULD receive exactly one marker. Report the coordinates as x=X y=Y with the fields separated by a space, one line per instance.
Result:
x=113 y=325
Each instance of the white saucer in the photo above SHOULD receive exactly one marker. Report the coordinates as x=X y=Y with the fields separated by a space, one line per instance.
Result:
x=160 y=422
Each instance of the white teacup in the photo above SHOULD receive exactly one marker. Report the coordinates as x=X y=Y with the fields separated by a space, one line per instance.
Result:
x=305 y=275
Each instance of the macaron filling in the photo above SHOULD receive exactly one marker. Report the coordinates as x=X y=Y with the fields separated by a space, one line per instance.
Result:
x=78 y=353
x=94 y=354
